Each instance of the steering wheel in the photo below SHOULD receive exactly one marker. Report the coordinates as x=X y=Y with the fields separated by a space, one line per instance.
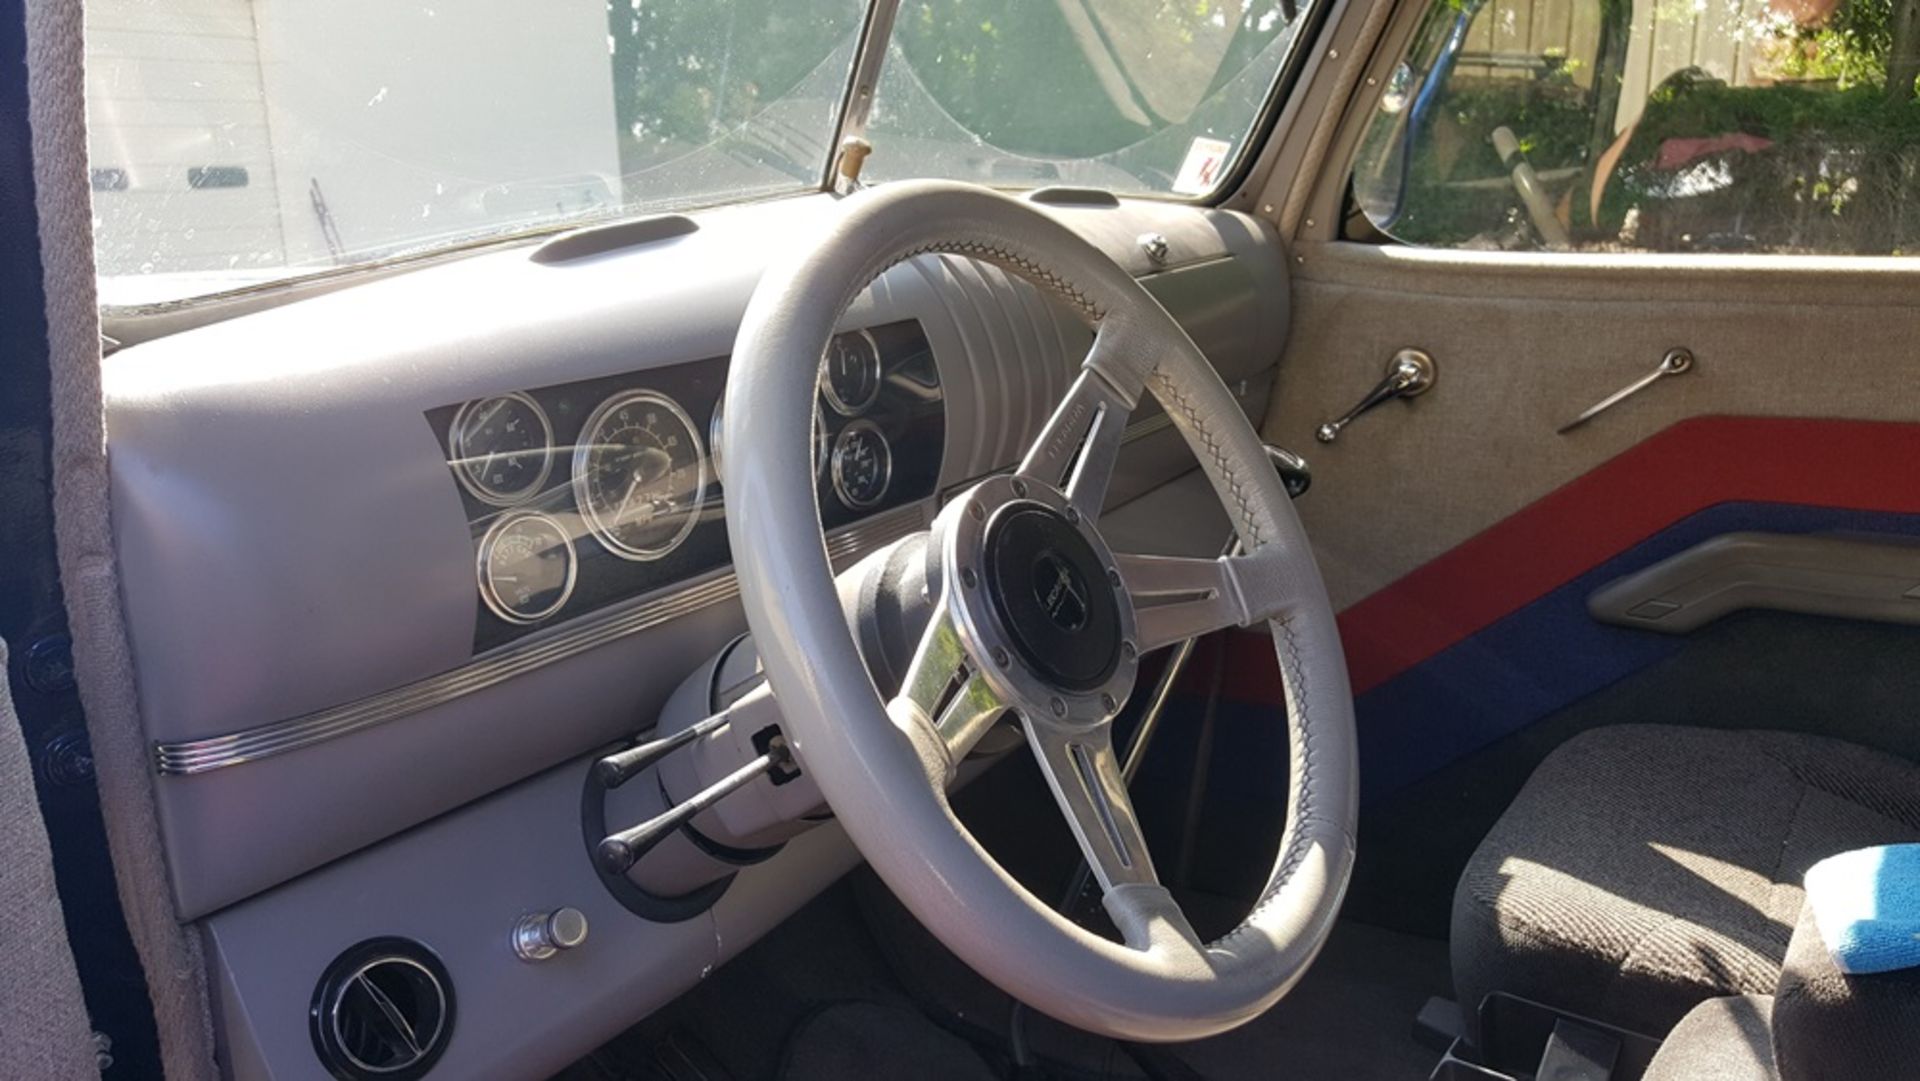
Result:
x=1036 y=615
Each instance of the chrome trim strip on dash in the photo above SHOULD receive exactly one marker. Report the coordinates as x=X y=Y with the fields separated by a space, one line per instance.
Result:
x=844 y=547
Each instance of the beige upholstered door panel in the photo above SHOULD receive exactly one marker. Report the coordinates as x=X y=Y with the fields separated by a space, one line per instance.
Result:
x=1524 y=343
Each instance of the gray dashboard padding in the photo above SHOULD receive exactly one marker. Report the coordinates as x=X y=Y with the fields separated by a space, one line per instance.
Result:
x=43 y=1018
x=56 y=108
x=252 y=597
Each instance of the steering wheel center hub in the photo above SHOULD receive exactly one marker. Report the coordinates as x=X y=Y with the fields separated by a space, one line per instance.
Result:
x=1038 y=601
x=1050 y=592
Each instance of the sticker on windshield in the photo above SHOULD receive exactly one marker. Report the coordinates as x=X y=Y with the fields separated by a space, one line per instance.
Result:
x=1206 y=160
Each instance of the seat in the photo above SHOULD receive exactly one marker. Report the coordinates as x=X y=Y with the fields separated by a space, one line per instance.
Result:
x=1644 y=869
x=1820 y=1024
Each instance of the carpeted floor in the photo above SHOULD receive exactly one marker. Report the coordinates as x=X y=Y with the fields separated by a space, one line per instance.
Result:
x=852 y=986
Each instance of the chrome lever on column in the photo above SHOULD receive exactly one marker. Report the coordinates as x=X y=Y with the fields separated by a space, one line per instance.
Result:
x=1410 y=374
x=618 y=852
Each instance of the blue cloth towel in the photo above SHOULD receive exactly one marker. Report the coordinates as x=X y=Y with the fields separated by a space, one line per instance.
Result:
x=1866 y=904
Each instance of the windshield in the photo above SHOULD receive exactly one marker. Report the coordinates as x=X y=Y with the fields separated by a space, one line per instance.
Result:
x=242 y=142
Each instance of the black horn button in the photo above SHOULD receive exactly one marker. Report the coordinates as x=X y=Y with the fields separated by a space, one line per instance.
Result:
x=1050 y=590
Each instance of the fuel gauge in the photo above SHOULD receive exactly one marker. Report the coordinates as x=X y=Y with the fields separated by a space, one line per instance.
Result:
x=862 y=465
x=527 y=567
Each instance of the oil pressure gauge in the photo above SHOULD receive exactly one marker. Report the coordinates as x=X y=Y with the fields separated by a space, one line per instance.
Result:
x=851 y=374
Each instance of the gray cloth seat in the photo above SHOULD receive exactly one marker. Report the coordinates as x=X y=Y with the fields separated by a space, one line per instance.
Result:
x=1645 y=869
x=1722 y=1039
x=1820 y=1024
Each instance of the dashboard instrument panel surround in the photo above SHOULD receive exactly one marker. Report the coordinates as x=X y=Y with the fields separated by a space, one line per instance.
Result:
x=627 y=470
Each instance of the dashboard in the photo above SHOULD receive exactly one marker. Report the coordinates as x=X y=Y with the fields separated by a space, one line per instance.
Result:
x=400 y=560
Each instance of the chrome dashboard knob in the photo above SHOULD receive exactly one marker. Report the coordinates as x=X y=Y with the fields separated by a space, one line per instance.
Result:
x=540 y=935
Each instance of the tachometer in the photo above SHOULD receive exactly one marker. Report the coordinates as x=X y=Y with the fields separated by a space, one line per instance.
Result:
x=527 y=567
x=639 y=474
x=851 y=375
x=502 y=448
x=862 y=465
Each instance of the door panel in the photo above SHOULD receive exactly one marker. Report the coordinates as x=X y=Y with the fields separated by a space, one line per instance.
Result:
x=1461 y=533
x=1524 y=344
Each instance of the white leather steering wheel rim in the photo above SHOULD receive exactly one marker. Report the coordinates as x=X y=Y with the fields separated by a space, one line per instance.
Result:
x=1162 y=984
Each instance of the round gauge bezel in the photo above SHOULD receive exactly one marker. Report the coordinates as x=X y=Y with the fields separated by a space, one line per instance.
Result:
x=583 y=453
x=886 y=472
x=491 y=596
x=832 y=396
x=456 y=446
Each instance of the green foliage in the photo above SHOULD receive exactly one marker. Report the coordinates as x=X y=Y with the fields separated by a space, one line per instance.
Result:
x=688 y=72
x=1839 y=175
x=1850 y=49
x=1013 y=72
x=1457 y=187
x=1839 y=169
x=1684 y=107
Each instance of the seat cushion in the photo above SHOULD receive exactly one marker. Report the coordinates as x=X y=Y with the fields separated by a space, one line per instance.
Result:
x=1722 y=1039
x=1828 y=1024
x=1644 y=869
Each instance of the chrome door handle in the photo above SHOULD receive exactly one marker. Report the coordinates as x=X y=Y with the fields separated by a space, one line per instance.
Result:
x=1676 y=362
x=1409 y=374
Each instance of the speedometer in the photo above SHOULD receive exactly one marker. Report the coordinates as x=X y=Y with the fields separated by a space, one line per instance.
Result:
x=639 y=474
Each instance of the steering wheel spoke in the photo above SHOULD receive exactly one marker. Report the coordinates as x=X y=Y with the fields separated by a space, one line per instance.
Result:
x=1084 y=774
x=943 y=693
x=1176 y=598
x=1077 y=448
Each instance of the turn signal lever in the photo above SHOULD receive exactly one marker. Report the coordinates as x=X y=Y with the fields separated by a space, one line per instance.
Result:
x=619 y=851
x=620 y=767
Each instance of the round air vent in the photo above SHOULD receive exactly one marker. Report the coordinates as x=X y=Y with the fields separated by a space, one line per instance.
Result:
x=383 y=1009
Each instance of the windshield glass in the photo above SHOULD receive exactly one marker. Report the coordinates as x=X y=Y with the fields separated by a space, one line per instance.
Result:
x=241 y=142
x=1134 y=96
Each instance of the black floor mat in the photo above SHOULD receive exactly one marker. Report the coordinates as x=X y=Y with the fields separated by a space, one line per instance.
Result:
x=1350 y=1017
x=876 y=1040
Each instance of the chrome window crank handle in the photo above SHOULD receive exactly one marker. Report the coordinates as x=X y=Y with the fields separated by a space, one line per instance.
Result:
x=1676 y=362
x=1409 y=374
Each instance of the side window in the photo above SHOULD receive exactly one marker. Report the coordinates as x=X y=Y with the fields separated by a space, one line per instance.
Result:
x=1786 y=126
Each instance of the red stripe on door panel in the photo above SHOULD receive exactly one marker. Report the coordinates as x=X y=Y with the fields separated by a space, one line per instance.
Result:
x=1855 y=465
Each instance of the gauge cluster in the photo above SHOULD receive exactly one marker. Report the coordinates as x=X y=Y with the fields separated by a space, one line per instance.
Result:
x=582 y=495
